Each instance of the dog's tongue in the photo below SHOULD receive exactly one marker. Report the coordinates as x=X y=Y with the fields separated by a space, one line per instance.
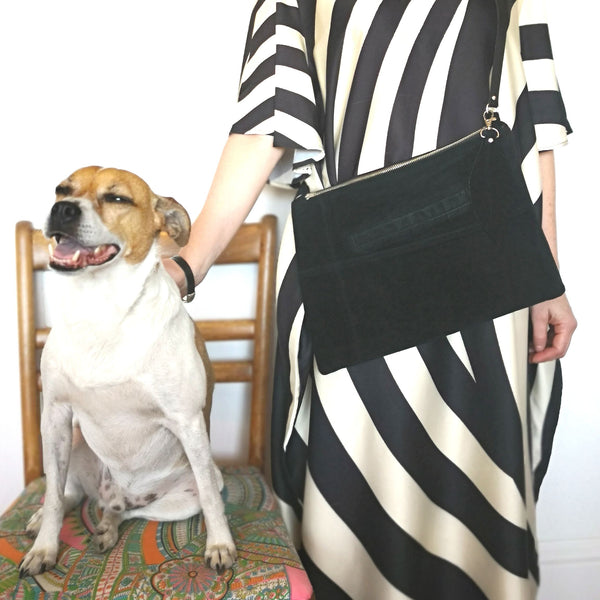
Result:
x=69 y=254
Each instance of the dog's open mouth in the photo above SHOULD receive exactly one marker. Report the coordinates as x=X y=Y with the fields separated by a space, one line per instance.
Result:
x=70 y=255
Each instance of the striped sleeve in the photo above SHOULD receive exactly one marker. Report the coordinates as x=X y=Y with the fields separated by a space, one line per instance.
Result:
x=545 y=100
x=277 y=84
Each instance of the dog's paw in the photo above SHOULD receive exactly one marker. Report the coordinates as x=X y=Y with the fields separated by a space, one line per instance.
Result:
x=220 y=556
x=34 y=524
x=107 y=534
x=37 y=560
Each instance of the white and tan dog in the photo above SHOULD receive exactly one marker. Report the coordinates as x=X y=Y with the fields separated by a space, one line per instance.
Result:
x=123 y=362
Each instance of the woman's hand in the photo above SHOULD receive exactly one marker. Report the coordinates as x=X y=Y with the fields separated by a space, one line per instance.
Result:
x=553 y=326
x=553 y=321
x=243 y=170
x=176 y=272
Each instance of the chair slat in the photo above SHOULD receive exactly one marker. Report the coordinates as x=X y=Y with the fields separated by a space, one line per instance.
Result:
x=30 y=400
x=227 y=329
x=232 y=371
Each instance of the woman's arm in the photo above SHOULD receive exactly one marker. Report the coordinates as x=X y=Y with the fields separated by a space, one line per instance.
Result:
x=553 y=321
x=243 y=170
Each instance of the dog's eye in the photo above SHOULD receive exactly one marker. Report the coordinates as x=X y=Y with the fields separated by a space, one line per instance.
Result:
x=117 y=199
x=63 y=190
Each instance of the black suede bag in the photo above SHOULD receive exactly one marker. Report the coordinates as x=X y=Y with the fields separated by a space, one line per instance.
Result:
x=390 y=261
x=420 y=249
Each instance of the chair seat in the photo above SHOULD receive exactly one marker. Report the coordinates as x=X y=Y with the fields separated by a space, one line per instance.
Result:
x=160 y=560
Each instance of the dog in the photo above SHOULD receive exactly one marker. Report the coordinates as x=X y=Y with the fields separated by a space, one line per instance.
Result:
x=125 y=375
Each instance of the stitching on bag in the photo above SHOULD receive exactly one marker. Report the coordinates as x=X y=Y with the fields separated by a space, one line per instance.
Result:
x=394 y=252
x=402 y=230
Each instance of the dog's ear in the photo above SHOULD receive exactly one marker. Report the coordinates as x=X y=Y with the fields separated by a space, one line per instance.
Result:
x=174 y=219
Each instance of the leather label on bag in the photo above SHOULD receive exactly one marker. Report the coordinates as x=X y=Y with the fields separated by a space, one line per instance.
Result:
x=411 y=227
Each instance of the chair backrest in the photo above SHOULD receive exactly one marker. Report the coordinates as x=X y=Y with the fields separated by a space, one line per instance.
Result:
x=253 y=243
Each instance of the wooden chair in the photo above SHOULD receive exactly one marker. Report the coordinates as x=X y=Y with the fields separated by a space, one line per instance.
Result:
x=156 y=560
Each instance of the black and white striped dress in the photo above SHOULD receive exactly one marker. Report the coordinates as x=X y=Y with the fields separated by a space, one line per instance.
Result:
x=414 y=475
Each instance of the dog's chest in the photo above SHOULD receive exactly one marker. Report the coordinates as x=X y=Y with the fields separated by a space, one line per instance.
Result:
x=124 y=425
x=92 y=357
x=105 y=336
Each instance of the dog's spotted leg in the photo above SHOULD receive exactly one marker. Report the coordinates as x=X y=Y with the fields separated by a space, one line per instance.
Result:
x=56 y=423
x=35 y=522
x=110 y=495
x=113 y=504
x=220 y=550
x=107 y=531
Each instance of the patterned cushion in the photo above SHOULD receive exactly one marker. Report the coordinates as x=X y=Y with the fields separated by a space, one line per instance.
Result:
x=160 y=560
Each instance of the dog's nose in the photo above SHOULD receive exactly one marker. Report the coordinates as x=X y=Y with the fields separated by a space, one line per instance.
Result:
x=64 y=212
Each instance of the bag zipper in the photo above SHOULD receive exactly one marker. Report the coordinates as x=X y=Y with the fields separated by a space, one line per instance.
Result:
x=393 y=167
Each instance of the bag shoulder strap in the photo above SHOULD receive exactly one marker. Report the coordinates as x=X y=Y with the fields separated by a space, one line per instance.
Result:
x=503 y=9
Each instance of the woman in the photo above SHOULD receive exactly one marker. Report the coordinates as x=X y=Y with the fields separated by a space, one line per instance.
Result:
x=414 y=475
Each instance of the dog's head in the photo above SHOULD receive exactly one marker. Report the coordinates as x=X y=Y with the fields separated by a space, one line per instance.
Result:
x=101 y=214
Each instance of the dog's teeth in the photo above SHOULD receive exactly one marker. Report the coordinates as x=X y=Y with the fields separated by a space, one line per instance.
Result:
x=50 y=250
x=76 y=256
x=97 y=250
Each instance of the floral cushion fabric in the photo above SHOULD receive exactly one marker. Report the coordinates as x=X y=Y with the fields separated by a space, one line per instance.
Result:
x=159 y=560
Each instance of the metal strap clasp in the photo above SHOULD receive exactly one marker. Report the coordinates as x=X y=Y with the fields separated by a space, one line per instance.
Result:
x=491 y=134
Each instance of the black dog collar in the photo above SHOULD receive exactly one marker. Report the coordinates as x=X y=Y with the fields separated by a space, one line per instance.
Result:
x=189 y=278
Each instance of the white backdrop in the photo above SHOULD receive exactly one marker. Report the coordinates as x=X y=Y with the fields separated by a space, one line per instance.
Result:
x=149 y=86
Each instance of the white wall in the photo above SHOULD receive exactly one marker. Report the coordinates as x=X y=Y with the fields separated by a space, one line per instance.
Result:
x=149 y=86
x=569 y=511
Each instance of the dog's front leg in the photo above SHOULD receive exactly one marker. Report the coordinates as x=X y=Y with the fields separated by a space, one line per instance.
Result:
x=220 y=550
x=57 y=435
